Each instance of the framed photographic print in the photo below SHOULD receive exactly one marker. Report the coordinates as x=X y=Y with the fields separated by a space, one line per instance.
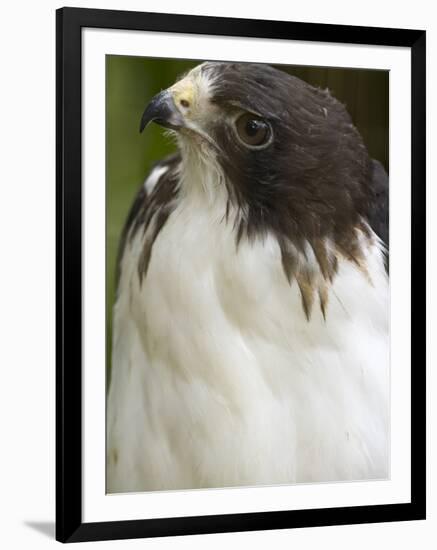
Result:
x=240 y=274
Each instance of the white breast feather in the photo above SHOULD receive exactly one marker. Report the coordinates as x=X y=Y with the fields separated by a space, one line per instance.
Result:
x=153 y=178
x=220 y=380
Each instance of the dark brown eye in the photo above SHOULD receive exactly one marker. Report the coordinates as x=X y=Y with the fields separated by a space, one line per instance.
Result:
x=253 y=130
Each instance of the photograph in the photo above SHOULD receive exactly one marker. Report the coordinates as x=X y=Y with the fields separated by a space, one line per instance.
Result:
x=247 y=274
x=216 y=273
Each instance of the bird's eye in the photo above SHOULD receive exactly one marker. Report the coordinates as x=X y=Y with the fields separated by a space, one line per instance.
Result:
x=253 y=130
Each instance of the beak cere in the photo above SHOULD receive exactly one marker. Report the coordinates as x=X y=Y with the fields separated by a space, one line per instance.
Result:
x=163 y=111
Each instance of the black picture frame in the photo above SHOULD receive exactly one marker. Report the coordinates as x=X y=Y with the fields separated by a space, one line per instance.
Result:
x=69 y=524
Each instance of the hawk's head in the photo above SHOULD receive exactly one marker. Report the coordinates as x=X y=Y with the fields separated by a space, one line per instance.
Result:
x=292 y=162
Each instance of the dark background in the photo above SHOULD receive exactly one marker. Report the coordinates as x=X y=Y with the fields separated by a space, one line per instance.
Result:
x=132 y=81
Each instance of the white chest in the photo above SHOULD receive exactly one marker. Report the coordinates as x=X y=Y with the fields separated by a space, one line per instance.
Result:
x=232 y=384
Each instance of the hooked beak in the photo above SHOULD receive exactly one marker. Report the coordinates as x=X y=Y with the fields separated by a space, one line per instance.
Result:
x=163 y=111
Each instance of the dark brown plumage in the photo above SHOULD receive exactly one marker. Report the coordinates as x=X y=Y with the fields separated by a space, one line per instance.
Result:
x=312 y=183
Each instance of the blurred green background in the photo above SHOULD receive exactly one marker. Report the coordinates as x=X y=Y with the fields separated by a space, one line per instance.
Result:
x=132 y=81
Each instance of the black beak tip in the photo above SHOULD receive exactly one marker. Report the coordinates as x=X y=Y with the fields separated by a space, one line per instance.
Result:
x=161 y=110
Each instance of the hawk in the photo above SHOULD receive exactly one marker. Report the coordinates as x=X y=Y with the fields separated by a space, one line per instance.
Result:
x=250 y=328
